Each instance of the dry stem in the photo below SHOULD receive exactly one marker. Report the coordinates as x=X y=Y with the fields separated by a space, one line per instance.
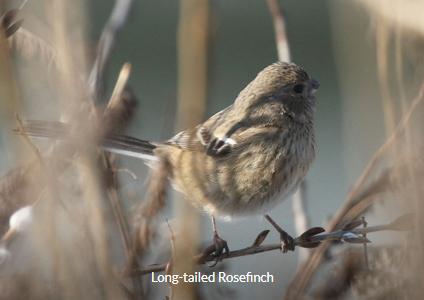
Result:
x=337 y=235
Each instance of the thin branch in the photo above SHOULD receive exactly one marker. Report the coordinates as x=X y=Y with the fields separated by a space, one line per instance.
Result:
x=23 y=4
x=169 y=267
x=125 y=170
x=27 y=139
x=115 y=105
x=365 y=247
x=280 y=31
x=301 y=218
x=122 y=104
x=120 y=85
x=352 y=196
x=114 y=25
x=402 y=223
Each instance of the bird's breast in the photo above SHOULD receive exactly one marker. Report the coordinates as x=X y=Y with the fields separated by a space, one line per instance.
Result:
x=252 y=179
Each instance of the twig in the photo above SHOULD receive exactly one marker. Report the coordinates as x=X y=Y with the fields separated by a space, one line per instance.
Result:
x=125 y=170
x=23 y=4
x=120 y=85
x=115 y=105
x=120 y=220
x=280 y=31
x=50 y=179
x=126 y=291
x=400 y=224
x=169 y=267
x=27 y=139
x=301 y=218
x=52 y=189
x=352 y=196
x=107 y=40
x=172 y=239
x=367 y=266
x=121 y=106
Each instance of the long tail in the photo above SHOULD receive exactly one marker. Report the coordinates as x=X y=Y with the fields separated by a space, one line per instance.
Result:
x=115 y=143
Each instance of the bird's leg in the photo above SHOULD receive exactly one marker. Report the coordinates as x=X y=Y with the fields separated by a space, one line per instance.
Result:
x=219 y=245
x=286 y=239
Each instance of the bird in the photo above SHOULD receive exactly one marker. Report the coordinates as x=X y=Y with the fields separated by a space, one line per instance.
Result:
x=244 y=160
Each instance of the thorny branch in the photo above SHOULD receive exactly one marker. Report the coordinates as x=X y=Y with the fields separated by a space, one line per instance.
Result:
x=402 y=223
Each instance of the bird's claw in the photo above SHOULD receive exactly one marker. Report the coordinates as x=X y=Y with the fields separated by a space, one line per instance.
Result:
x=219 y=247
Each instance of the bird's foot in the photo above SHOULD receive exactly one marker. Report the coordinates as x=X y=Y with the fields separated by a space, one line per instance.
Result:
x=287 y=242
x=219 y=248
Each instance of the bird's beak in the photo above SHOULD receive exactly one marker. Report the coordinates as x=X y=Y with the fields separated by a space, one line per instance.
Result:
x=314 y=86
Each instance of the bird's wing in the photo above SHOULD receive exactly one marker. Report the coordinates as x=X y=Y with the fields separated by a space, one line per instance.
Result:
x=186 y=140
x=214 y=137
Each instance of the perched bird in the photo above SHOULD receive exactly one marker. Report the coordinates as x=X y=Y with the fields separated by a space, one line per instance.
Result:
x=245 y=159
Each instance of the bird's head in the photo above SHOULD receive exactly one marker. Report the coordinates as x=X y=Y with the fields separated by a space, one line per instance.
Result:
x=281 y=88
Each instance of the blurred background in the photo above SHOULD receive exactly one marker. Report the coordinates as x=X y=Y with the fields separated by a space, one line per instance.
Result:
x=345 y=45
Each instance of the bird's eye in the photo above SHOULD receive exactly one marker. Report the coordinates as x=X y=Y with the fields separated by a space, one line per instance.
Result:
x=298 y=89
